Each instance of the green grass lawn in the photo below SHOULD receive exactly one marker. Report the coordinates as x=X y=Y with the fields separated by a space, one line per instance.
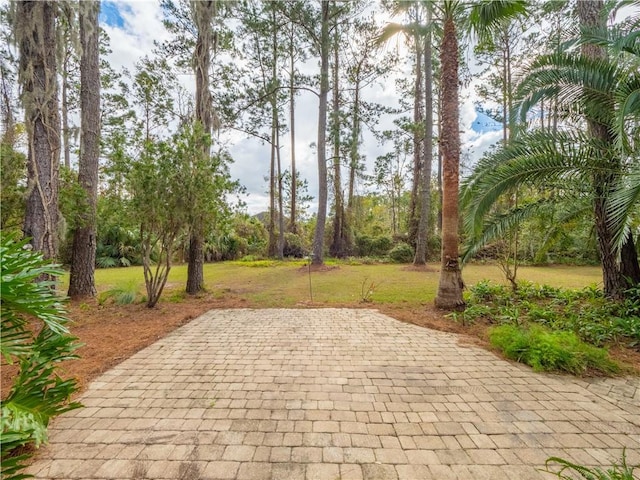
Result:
x=286 y=284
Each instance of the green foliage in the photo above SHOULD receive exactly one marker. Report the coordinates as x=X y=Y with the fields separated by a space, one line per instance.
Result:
x=12 y=189
x=73 y=207
x=618 y=471
x=373 y=246
x=226 y=246
x=118 y=242
x=295 y=246
x=35 y=337
x=122 y=295
x=402 y=253
x=546 y=350
x=571 y=170
x=586 y=312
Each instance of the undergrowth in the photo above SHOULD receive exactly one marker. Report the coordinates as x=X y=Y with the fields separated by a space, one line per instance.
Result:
x=546 y=350
x=553 y=328
x=124 y=294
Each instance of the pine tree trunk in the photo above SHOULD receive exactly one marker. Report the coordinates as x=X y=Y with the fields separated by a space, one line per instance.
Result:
x=336 y=248
x=417 y=149
x=81 y=282
x=36 y=39
x=195 y=267
x=272 y=247
x=280 y=197
x=65 y=110
x=355 y=138
x=292 y=120
x=449 y=294
x=318 y=238
x=425 y=191
x=203 y=16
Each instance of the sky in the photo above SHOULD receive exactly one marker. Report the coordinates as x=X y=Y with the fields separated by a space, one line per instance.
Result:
x=133 y=25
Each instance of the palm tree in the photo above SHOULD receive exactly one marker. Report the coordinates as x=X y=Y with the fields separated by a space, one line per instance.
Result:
x=450 y=286
x=603 y=93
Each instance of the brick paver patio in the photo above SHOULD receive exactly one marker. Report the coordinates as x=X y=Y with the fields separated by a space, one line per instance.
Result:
x=333 y=394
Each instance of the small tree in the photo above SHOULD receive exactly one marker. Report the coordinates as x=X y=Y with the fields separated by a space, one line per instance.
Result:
x=171 y=183
x=153 y=205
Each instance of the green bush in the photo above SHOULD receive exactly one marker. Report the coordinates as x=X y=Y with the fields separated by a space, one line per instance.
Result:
x=381 y=245
x=364 y=245
x=546 y=350
x=373 y=246
x=294 y=246
x=402 y=253
x=38 y=393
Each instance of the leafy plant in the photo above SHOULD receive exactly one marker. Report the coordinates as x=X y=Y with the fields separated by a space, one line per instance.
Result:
x=35 y=337
x=546 y=350
x=402 y=253
x=121 y=295
x=586 y=312
x=620 y=471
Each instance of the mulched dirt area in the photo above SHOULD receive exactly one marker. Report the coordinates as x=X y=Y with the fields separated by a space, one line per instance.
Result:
x=112 y=333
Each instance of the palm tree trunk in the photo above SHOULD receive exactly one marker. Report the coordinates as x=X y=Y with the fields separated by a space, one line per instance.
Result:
x=590 y=13
x=629 y=261
x=450 y=286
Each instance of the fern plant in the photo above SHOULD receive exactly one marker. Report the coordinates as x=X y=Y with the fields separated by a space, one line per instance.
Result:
x=35 y=338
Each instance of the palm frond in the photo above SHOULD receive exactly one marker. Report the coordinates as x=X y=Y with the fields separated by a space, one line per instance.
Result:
x=500 y=225
x=488 y=15
x=584 y=84
x=627 y=97
x=623 y=203
x=532 y=159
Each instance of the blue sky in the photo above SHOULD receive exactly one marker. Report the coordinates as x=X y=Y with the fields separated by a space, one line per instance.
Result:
x=110 y=15
x=485 y=124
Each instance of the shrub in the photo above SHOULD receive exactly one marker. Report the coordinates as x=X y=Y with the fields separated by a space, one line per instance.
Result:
x=294 y=246
x=402 y=253
x=373 y=246
x=364 y=245
x=586 y=312
x=546 y=350
x=381 y=245
x=35 y=337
